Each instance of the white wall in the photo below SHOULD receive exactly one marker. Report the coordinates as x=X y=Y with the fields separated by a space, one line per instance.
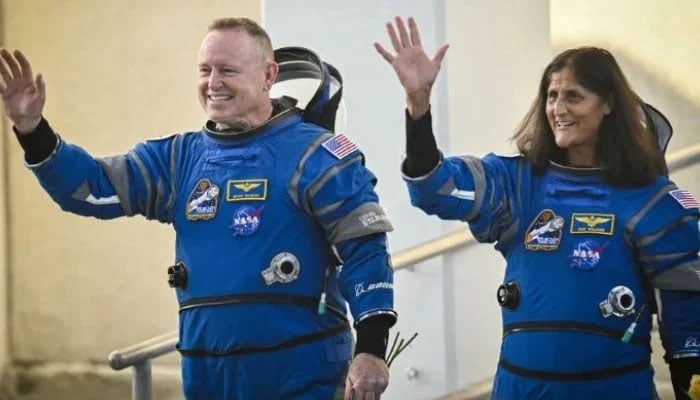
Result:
x=343 y=34
x=498 y=52
x=489 y=77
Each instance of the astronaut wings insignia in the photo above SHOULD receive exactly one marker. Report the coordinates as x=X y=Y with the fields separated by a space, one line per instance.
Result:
x=247 y=186
x=597 y=224
x=246 y=190
x=592 y=221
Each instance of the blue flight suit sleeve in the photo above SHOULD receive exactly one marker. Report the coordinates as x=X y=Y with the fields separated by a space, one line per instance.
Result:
x=140 y=182
x=339 y=193
x=479 y=191
x=667 y=240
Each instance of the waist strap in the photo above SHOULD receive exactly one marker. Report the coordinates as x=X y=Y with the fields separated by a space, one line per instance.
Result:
x=263 y=298
x=575 y=376
x=296 y=341
x=248 y=298
x=573 y=327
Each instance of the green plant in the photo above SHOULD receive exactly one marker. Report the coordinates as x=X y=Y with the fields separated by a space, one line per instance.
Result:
x=397 y=347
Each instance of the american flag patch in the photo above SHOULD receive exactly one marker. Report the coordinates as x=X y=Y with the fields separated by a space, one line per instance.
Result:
x=684 y=198
x=340 y=146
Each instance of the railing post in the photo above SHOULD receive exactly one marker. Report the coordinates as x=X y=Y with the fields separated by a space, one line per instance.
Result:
x=141 y=381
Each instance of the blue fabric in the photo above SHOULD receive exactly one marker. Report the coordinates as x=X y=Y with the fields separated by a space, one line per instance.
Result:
x=308 y=372
x=568 y=239
x=235 y=204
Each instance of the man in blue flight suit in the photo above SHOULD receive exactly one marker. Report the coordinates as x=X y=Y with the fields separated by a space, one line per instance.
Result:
x=263 y=203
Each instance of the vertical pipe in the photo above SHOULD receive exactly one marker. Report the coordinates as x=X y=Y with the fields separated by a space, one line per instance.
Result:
x=141 y=382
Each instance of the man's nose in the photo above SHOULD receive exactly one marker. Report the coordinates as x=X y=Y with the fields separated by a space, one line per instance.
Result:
x=214 y=80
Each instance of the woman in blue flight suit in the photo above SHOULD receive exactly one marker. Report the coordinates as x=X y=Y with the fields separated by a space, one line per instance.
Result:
x=588 y=222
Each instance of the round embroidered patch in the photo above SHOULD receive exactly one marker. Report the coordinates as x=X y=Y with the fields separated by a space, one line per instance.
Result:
x=246 y=220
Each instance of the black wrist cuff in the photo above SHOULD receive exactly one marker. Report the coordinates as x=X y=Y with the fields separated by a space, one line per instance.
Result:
x=422 y=154
x=682 y=369
x=373 y=335
x=39 y=144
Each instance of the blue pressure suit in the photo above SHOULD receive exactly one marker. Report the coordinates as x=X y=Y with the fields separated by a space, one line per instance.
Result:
x=260 y=217
x=584 y=260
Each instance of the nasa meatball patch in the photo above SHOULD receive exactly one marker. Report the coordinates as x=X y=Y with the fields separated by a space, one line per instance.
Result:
x=246 y=220
x=544 y=233
x=585 y=256
x=203 y=201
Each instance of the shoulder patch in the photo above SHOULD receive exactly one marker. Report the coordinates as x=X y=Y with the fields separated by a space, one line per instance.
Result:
x=340 y=146
x=684 y=198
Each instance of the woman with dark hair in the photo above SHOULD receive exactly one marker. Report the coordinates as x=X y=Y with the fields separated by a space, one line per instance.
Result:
x=595 y=236
x=627 y=154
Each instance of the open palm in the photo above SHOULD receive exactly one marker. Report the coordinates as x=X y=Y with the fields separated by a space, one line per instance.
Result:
x=23 y=95
x=415 y=70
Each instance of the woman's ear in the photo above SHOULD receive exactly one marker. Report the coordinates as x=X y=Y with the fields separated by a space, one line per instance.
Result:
x=608 y=106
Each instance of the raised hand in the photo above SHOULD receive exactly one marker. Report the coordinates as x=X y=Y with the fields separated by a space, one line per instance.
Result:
x=416 y=71
x=22 y=94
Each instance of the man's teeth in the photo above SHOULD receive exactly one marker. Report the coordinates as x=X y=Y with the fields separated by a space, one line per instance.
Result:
x=218 y=97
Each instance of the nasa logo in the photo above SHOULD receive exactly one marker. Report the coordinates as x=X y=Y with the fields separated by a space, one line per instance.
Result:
x=586 y=255
x=246 y=221
x=544 y=233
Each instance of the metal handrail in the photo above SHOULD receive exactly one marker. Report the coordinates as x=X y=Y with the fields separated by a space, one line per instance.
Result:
x=140 y=354
x=151 y=348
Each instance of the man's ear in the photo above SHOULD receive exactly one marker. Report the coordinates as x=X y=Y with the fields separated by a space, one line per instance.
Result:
x=271 y=70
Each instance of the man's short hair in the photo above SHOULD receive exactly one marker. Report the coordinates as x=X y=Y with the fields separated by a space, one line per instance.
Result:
x=248 y=25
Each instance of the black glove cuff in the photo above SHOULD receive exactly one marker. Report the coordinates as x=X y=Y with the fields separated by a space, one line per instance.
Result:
x=39 y=144
x=422 y=154
x=373 y=335
x=682 y=369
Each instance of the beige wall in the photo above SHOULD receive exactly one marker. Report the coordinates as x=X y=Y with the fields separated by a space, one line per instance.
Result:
x=656 y=43
x=4 y=355
x=660 y=35
x=117 y=72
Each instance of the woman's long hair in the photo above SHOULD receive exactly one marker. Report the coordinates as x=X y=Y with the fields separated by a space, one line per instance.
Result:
x=626 y=149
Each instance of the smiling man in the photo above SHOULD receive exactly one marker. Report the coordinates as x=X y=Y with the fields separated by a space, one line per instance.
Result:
x=263 y=204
